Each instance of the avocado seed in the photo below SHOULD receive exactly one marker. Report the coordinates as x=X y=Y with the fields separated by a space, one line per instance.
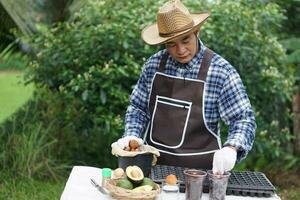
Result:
x=133 y=144
x=171 y=179
x=135 y=174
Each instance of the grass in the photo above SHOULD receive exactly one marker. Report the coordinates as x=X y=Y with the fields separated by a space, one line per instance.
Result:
x=31 y=189
x=290 y=193
x=13 y=93
x=11 y=58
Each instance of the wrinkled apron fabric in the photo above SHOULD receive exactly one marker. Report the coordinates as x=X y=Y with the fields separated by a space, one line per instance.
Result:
x=177 y=127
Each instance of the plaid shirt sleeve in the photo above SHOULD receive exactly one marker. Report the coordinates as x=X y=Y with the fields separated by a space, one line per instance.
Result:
x=137 y=114
x=235 y=110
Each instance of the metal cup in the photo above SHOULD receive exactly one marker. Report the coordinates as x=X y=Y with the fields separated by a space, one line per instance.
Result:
x=217 y=185
x=194 y=183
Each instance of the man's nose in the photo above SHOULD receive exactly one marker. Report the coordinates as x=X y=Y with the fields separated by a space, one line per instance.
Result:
x=180 y=49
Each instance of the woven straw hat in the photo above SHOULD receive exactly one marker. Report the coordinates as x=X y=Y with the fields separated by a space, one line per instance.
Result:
x=173 y=20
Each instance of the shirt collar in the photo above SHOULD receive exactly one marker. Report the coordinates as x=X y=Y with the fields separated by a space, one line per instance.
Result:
x=195 y=61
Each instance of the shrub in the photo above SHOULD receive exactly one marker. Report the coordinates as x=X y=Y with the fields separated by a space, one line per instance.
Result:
x=244 y=33
x=85 y=69
x=27 y=148
x=10 y=58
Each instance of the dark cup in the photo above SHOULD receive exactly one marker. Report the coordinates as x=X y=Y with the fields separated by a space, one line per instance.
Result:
x=143 y=161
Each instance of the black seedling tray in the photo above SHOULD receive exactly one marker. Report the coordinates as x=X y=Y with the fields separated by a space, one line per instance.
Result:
x=244 y=183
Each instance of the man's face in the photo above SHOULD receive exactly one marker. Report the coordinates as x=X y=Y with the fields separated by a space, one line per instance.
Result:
x=184 y=48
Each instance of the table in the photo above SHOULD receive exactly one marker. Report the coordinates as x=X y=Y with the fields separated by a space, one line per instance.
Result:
x=79 y=187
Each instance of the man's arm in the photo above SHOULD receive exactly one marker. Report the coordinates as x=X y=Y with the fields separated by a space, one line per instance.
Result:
x=236 y=111
x=137 y=114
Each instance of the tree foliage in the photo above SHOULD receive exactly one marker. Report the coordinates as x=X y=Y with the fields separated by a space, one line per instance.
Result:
x=6 y=23
x=290 y=37
x=86 y=68
x=245 y=33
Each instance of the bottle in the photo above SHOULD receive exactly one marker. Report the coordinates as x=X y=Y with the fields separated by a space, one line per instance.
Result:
x=106 y=175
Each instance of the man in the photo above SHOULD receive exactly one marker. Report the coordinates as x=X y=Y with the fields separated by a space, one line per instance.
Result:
x=183 y=93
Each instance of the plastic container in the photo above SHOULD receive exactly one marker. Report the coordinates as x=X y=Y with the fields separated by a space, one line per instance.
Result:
x=217 y=185
x=143 y=161
x=242 y=183
x=106 y=175
x=194 y=183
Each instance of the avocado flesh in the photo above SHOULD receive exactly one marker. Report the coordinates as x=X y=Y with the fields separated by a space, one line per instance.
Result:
x=143 y=188
x=135 y=174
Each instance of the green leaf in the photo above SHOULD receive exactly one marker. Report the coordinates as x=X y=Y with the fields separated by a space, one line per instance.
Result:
x=84 y=95
x=291 y=43
x=103 y=96
x=293 y=57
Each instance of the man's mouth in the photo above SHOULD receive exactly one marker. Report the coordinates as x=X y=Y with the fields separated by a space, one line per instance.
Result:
x=182 y=57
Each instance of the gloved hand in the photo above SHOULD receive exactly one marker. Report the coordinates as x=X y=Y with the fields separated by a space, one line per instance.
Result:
x=124 y=142
x=224 y=160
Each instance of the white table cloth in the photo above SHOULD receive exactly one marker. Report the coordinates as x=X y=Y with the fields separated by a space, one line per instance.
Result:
x=79 y=187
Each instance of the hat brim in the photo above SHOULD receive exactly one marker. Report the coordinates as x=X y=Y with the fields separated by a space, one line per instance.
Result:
x=151 y=35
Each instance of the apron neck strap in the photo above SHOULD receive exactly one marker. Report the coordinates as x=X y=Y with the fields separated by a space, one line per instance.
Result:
x=208 y=54
x=163 y=62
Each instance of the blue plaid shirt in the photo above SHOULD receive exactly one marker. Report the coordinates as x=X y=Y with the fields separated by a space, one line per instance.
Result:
x=225 y=98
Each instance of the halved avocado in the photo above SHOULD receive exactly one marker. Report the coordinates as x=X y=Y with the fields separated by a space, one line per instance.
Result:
x=134 y=174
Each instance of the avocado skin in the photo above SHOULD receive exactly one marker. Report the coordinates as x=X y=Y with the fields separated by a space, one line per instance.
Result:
x=125 y=183
x=148 y=181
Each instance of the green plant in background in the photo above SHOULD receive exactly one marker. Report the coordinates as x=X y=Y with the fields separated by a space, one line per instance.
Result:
x=292 y=46
x=290 y=39
x=251 y=45
x=66 y=51
x=28 y=147
x=85 y=70
x=30 y=189
x=12 y=59
x=6 y=23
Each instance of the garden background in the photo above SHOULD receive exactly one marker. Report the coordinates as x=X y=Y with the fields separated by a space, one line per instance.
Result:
x=67 y=68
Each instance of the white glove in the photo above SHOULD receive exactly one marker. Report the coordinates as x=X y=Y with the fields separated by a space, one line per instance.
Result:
x=224 y=160
x=124 y=142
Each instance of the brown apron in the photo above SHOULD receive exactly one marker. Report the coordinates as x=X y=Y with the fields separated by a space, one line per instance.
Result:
x=177 y=127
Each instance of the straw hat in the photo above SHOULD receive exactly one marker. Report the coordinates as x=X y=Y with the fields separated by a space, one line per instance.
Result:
x=173 y=20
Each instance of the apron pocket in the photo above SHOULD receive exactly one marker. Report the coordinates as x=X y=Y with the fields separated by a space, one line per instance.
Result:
x=169 y=121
